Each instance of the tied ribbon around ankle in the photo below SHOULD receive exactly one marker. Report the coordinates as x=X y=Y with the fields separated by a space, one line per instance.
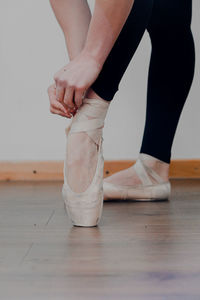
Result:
x=90 y=119
x=144 y=171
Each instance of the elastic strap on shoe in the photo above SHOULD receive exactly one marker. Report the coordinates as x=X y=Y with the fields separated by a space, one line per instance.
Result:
x=143 y=157
x=141 y=172
x=154 y=174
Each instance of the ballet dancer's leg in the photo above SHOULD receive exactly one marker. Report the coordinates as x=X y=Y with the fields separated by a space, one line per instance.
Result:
x=170 y=74
x=170 y=77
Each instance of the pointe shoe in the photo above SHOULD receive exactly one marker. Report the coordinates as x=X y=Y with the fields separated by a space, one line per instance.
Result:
x=85 y=208
x=147 y=191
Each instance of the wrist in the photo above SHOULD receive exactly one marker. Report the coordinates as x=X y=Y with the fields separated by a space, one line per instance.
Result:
x=94 y=56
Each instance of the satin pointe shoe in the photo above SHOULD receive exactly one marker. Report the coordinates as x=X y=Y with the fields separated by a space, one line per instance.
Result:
x=152 y=186
x=85 y=208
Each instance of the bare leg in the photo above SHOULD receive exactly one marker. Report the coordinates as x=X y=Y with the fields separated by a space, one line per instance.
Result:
x=163 y=108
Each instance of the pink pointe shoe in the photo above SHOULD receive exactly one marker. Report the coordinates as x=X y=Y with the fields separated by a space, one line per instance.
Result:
x=148 y=190
x=85 y=208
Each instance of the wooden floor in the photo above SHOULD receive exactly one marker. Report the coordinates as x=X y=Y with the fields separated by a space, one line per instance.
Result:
x=138 y=251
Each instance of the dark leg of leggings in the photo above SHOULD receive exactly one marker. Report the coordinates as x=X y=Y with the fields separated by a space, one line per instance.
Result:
x=106 y=85
x=170 y=74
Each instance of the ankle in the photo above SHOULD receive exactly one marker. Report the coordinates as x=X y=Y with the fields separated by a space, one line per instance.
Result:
x=161 y=169
x=159 y=166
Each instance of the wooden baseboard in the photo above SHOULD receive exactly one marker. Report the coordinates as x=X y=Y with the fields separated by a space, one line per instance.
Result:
x=53 y=170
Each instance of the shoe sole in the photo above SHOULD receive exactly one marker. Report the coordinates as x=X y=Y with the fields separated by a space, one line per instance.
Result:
x=138 y=199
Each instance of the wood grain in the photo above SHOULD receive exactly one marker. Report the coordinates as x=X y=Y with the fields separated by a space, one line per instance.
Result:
x=139 y=251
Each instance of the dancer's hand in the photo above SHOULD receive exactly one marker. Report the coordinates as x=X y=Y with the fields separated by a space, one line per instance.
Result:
x=73 y=80
x=57 y=107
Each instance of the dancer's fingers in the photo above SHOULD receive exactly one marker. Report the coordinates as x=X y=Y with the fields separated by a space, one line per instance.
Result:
x=52 y=93
x=68 y=97
x=79 y=96
x=56 y=104
x=58 y=112
x=59 y=106
x=60 y=91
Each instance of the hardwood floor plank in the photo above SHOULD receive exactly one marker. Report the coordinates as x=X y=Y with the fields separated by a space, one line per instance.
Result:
x=139 y=251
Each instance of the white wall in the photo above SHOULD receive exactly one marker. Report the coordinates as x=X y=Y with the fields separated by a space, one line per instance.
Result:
x=32 y=49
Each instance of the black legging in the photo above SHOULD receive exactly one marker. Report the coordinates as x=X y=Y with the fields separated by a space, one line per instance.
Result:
x=171 y=67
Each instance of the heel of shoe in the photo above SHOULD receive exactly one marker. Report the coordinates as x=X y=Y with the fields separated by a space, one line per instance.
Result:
x=161 y=191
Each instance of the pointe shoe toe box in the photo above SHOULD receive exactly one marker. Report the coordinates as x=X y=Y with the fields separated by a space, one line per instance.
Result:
x=84 y=209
